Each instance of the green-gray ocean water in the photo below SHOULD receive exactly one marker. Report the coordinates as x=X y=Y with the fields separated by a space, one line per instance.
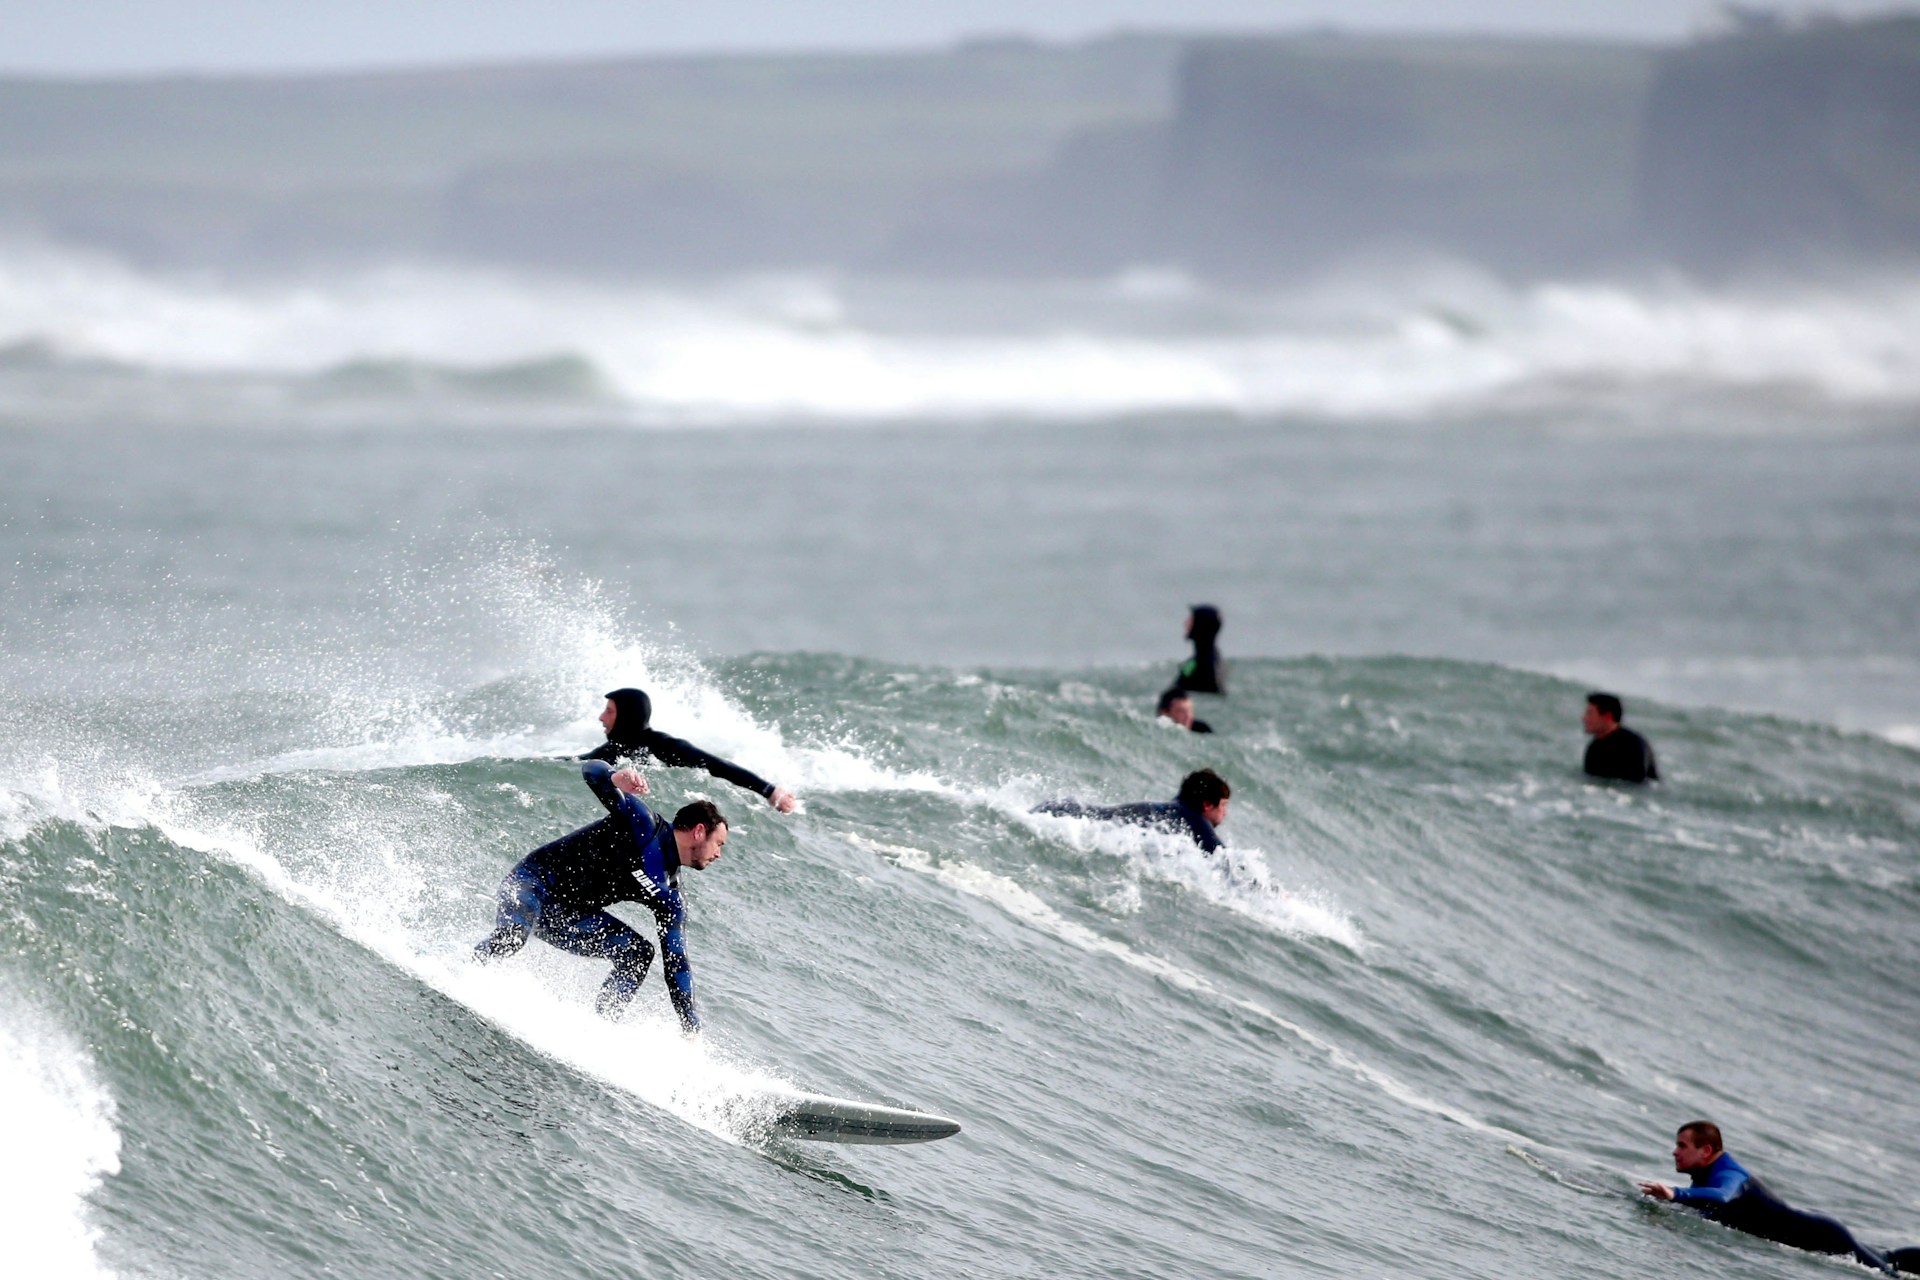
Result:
x=285 y=696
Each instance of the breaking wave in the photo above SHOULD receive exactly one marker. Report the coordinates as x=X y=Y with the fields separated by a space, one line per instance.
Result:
x=80 y=334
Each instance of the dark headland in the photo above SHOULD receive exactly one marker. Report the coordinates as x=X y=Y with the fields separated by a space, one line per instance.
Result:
x=1760 y=145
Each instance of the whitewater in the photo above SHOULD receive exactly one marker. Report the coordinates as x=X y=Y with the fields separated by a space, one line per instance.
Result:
x=312 y=591
x=1401 y=342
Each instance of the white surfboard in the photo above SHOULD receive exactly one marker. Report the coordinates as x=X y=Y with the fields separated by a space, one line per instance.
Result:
x=817 y=1118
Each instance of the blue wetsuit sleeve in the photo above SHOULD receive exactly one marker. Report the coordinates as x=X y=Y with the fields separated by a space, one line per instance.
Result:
x=598 y=775
x=1721 y=1188
x=671 y=916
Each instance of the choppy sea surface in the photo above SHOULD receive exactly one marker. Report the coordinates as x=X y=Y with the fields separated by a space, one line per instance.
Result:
x=310 y=586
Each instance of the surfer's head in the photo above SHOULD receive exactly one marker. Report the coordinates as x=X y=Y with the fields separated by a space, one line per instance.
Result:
x=1696 y=1145
x=699 y=834
x=1177 y=705
x=626 y=715
x=1203 y=624
x=1206 y=791
x=1603 y=714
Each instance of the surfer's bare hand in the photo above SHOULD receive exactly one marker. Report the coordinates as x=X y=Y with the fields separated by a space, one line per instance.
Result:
x=781 y=799
x=1658 y=1190
x=630 y=781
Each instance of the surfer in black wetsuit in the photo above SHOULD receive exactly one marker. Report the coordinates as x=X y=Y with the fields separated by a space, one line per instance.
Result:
x=559 y=893
x=1204 y=672
x=1616 y=751
x=1196 y=811
x=628 y=718
x=1725 y=1192
x=1177 y=705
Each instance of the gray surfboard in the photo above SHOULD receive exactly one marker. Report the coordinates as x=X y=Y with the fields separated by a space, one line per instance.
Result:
x=817 y=1118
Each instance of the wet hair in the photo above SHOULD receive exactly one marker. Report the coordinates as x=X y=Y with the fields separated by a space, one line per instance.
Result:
x=1169 y=697
x=1607 y=705
x=1705 y=1133
x=632 y=713
x=1203 y=787
x=701 y=813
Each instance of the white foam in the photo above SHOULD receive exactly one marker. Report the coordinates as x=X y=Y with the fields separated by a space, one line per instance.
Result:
x=542 y=999
x=61 y=1143
x=1236 y=877
x=1024 y=905
x=1407 y=344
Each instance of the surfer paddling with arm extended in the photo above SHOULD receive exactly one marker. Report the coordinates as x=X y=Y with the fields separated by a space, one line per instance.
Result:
x=559 y=893
x=1196 y=811
x=628 y=720
x=1724 y=1191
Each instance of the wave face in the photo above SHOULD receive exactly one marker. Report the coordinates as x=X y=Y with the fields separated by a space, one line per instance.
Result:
x=1439 y=999
x=1402 y=343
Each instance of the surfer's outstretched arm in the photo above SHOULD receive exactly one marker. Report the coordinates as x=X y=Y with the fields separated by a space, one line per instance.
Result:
x=678 y=753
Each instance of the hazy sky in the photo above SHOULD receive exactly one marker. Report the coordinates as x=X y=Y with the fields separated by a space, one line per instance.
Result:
x=89 y=37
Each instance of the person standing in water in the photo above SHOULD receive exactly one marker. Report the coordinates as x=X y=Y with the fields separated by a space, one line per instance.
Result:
x=628 y=720
x=560 y=892
x=1616 y=751
x=1725 y=1192
x=1204 y=672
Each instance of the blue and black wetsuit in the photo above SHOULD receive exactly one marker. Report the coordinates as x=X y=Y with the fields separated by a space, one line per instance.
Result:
x=634 y=738
x=559 y=892
x=1176 y=816
x=1728 y=1194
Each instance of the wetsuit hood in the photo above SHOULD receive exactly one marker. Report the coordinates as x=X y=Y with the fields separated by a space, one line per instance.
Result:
x=633 y=712
x=1206 y=626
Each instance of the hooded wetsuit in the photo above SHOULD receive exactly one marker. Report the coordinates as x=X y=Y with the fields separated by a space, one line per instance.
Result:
x=1204 y=672
x=559 y=892
x=1622 y=755
x=632 y=738
x=1728 y=1194
x=1177 y=816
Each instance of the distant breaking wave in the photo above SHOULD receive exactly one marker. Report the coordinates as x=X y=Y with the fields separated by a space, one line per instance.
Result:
x=81 y=335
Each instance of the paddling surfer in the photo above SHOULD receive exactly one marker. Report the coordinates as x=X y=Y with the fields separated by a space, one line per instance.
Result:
x=1200 y=807
x=1724 y=1191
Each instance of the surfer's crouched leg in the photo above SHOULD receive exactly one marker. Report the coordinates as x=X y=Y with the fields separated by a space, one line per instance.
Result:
x=1905 y=1261
x=519 y=916
x=604 y=937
